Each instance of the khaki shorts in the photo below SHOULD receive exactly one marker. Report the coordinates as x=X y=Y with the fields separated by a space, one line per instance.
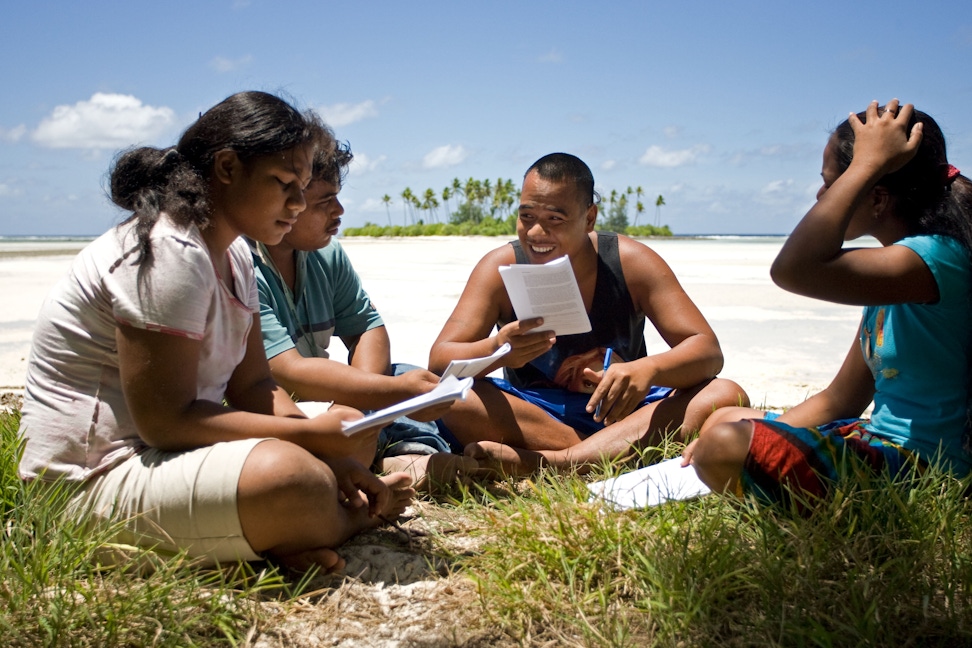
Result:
x=172 y=501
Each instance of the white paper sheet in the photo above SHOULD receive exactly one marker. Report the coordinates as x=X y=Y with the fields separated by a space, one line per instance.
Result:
x=549 y=291
x=470 y=367
x=650 y=486
x=448 y=389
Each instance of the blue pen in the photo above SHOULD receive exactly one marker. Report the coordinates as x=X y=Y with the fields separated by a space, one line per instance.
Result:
x=607 y=363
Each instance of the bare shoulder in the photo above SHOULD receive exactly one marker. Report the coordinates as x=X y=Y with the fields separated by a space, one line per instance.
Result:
x=486 y=269
x=637 y=258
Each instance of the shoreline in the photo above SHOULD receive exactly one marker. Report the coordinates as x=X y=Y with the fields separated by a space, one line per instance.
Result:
x=780 y=347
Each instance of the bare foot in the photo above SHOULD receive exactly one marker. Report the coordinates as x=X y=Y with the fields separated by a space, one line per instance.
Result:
x=432 y=472
x=502 y=460
x=402 y=494
x=327 y=559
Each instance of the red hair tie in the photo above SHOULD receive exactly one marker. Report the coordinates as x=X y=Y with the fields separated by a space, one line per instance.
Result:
x=951 y=173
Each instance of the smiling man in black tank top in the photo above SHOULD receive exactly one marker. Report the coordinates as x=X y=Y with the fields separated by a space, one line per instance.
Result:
x=544 y=411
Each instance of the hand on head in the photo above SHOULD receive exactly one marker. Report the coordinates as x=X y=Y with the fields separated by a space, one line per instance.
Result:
x=885 y=141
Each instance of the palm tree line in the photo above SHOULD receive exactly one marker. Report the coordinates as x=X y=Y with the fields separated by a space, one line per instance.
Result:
x=486 y=206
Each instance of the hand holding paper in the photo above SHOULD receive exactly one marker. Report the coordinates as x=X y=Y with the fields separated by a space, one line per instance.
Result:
x=449 y=389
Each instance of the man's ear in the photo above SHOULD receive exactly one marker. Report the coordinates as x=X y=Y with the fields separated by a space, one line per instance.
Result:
x=591 y=216
x=226 y=166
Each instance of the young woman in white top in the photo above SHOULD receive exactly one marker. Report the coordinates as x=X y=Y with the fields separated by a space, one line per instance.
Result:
x=148 y=383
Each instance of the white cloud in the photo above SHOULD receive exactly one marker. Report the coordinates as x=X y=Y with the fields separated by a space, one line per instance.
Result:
x=656 y=156
x=371 y=205
x=448 y=155
x=607 y=165
x=553 y=56
x=342 y=114
x=671 y=132
x=14 y=134
x=776 y=187
x=104 y=121
x=362 y=163
x=222 y=64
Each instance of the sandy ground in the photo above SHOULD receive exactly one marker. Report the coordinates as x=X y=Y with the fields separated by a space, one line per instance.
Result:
x=399 y=590
x=779 y=346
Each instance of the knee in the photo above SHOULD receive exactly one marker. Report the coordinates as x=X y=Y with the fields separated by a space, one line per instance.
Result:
x=723 y=392
x=278 y=469
x=723 y=448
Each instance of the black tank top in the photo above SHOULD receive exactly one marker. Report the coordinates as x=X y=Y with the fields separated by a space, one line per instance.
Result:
x=614 y=321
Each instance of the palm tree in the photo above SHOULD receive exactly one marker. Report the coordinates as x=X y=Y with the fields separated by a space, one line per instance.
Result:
x=407 y=200
x=658 y=205
x=430 y=203
x=387 y=200
x=639 y=210
x=446 y=195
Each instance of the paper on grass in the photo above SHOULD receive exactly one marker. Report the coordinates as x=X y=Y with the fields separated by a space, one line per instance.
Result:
x=549 y=291
x=650 y=486
x=448 y=389
x=470 y=367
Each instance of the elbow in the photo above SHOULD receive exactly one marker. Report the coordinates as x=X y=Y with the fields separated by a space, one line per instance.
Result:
x=787 y=277
x=716 y=362
x=436 y=364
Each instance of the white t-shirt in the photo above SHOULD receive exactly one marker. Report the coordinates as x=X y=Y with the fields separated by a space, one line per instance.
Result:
x=75 y=419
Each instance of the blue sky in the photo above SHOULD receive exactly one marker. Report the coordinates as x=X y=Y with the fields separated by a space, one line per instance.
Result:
x=721 y=107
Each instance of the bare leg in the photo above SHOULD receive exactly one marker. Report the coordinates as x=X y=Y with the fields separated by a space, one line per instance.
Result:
x=720 y=454
x=290 y=506
x=685 y=411
x=431 y=471
x=490 y=414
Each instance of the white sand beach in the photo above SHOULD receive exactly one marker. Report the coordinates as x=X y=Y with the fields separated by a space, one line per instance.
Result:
x=779 y=346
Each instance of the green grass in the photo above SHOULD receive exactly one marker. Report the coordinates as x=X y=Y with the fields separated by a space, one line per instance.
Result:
x=53 y=594
x=878 y=564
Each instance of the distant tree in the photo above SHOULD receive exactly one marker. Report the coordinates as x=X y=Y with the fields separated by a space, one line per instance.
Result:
x=446 y=195
x=430 y=203
x=658 y=205
x=407 y=201
x=387 y=200
x=639 y=210
x=617 y=214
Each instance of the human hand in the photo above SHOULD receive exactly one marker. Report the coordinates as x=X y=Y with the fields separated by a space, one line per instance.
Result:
x=884 y=142
x=420 y=381
x=620 y=389
x=526 y=343
x=329 y=440
x=360 y=486
x=688 y=452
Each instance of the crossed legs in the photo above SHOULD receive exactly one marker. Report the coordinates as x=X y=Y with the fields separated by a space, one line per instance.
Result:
x=291 y=508
x=509 y=435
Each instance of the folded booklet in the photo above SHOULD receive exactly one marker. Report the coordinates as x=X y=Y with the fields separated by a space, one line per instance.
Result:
x=448 y=390
x=549 y=291
x=650 y=486
x=470 y=367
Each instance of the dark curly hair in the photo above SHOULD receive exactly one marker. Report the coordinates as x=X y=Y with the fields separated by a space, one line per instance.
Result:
x=148 y=181
x=331 y=162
